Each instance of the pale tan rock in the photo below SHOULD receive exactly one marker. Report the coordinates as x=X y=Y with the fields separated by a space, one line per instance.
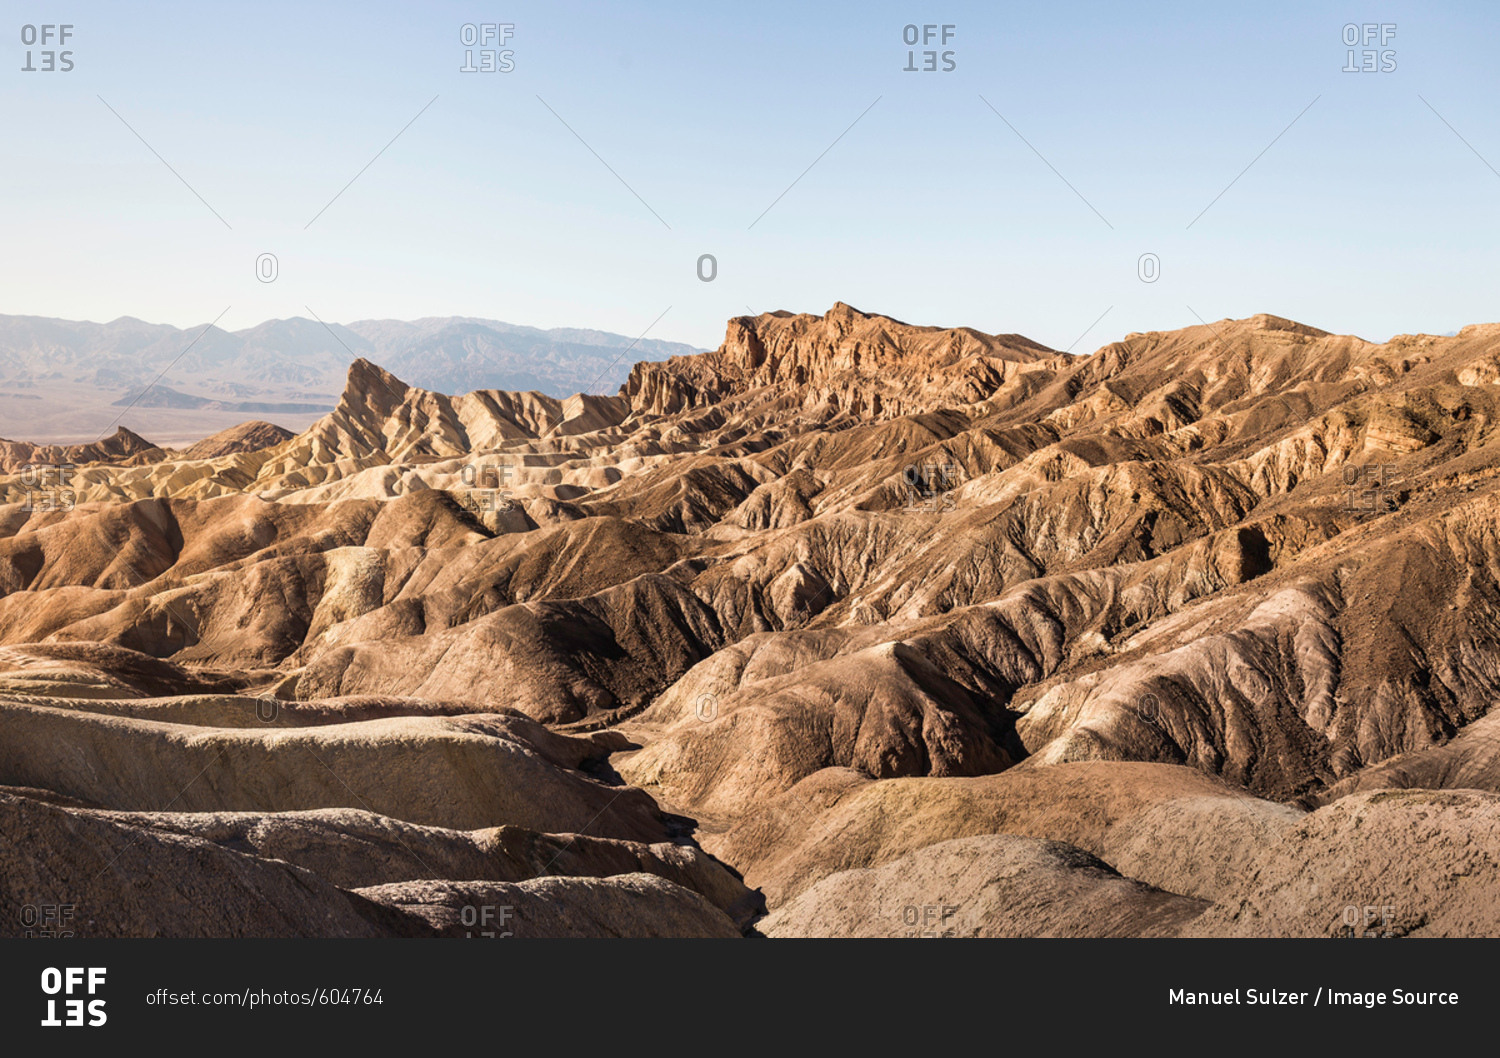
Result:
x=628 y=905
x=990 y=886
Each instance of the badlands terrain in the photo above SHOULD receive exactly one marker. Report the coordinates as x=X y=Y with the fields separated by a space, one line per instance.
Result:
x=847 y=628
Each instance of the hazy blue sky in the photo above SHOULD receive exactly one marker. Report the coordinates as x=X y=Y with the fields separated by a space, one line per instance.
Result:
x=1368 y=215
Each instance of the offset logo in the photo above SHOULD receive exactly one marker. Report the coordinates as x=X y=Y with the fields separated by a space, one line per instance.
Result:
x=928 y=35
x=1368 y=50
x=489 y=38
x=1373 y=921
x=929 y=920
x=929 y=486
x=48 y=921
x=70 y=1012
x=486 y=920
x=478 y=475
x=47 y=40
x=47 y=487
x=1371 y=488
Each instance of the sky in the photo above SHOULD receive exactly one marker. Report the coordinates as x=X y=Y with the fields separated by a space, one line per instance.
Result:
x=1241 y=145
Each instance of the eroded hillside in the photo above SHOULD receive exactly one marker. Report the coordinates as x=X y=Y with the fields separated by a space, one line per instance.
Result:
x=843 y=618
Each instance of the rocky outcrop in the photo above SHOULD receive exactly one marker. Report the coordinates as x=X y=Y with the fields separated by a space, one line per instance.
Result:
x=247 y=437
x=53 y=463
x=991 y=886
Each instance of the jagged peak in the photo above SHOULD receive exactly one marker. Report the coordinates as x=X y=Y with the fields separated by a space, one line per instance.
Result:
x=126 y=441
x=364 y=373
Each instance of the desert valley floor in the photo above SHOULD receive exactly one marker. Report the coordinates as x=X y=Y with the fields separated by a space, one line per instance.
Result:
x=847 y=628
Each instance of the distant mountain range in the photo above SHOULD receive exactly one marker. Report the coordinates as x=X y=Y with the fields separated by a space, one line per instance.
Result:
x=298 y=365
